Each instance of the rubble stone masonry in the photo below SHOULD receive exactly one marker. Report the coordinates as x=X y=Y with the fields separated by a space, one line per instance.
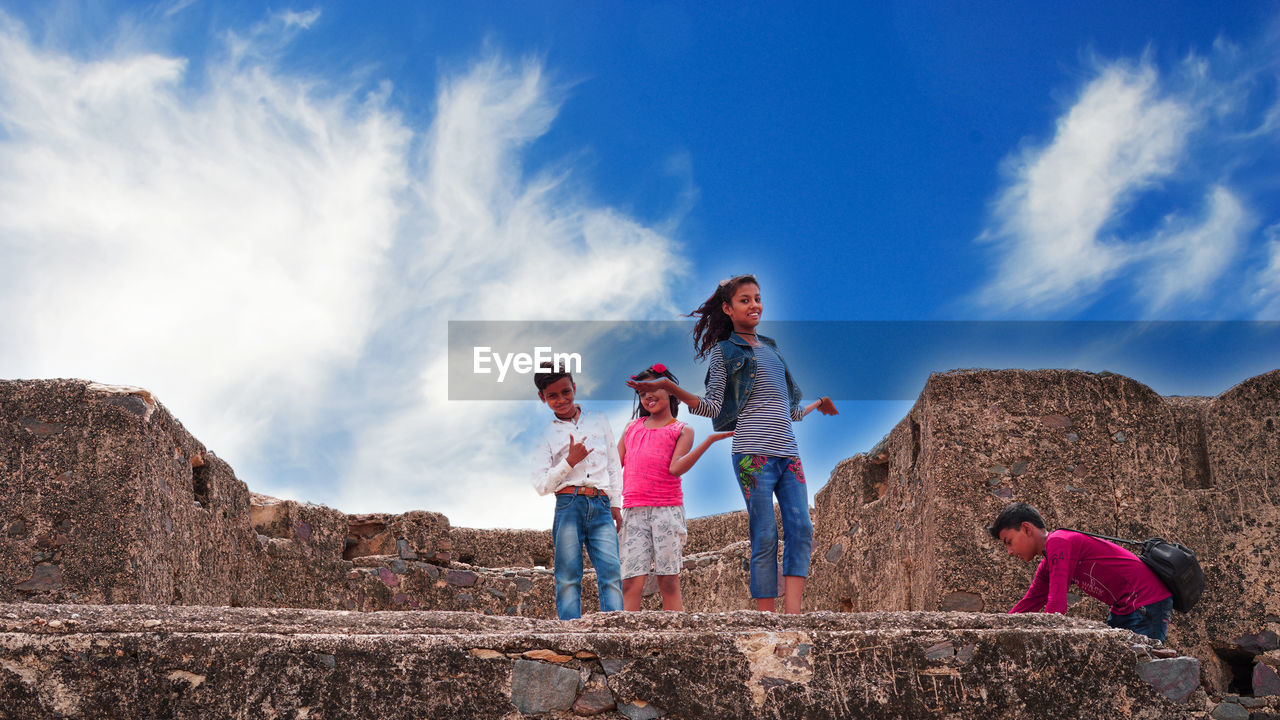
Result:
x=107 y=504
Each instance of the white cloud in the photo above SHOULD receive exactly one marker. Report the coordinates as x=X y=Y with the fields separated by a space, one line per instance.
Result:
x=277 y=258
x=494 y=243
x=1186 y=258
x=1064 y=229
x=1121 y=136
x=1266 y=290
x=222 y=248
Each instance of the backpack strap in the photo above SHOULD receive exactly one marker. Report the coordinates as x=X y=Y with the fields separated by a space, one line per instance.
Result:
x=1104 y=537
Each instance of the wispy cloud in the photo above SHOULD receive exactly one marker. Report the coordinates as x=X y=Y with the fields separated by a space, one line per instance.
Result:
x=1187 y=256
x=277 y=257
x=1075 y=220
x=1266 y=287
x=222 y=248
x=493 y=242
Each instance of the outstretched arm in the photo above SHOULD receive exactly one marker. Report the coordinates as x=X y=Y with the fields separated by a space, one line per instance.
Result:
x=680 y=393
x=823 y=405
x=683 y=458
x=1037 y=594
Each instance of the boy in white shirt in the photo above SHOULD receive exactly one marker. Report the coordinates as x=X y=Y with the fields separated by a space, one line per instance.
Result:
x=577 y=459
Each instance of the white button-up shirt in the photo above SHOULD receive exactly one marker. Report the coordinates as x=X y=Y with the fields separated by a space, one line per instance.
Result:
x=601 y=468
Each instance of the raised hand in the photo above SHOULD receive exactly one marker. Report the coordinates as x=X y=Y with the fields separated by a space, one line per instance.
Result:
x=717 y=437
x=650 y=385
x=577 y=451
x=827 y=407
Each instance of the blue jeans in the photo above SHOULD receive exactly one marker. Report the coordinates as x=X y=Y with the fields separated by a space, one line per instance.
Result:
x=1150 y=620
x=585 y=520
x=760 y=478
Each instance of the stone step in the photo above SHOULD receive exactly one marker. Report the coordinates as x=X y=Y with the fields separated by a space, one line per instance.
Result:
x=138 y=661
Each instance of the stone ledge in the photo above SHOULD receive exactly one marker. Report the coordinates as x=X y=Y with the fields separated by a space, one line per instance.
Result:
x=186 y=662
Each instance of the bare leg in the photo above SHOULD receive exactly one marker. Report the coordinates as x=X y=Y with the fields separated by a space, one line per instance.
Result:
x=632 y=592
x=765 y=604
x=669 y=586
x=795 y=593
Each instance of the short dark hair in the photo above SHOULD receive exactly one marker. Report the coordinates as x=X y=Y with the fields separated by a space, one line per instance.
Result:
x=548 y=374
x=1012 y=517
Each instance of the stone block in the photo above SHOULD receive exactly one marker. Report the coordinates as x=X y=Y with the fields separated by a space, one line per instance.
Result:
x=1175 y=678
x=1266 y=682
x=136 y=662
x=538 y=687
x=108 y=499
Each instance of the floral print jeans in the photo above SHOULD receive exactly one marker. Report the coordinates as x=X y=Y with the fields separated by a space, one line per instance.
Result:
x=761 y=478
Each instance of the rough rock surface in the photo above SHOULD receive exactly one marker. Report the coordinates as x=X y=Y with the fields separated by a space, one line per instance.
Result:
x=106 y=499
x=903 y=527
x=149 y=662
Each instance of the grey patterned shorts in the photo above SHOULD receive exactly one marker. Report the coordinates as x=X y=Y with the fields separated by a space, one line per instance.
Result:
x=652 y=540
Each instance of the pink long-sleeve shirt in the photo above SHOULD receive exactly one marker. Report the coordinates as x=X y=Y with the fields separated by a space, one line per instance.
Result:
x=1101 y=570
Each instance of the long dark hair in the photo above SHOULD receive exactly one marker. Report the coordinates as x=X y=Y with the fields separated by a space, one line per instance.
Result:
x=713 y=325
x=653 y=372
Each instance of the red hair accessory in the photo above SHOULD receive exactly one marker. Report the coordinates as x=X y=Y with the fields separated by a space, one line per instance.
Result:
x=659 y=368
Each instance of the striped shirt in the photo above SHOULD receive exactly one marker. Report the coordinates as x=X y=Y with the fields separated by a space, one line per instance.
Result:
x=764 y=423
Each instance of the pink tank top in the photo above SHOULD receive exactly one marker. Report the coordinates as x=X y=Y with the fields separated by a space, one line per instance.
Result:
x=646 y=470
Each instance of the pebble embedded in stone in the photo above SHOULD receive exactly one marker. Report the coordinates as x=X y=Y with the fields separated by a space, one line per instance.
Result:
x=1259 y=643
x=1175 y=678
x=538 y=687
x=940 y=651
x=1266 y=682
x=833 y=555
x=44 y=578
x=640 y=710
x=461 y=578
x=594 y=703
x=613 y=666
x=961 y=602
x=1229 y=711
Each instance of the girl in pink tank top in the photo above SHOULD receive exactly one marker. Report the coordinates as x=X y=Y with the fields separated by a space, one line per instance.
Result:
x=655 y=452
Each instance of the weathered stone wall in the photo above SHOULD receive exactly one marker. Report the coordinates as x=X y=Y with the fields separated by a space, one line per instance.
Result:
x=904 y=527
x=107 y=499
x=150 y=662
x=504 y=548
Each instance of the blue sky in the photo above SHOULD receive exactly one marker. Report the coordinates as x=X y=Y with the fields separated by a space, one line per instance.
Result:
x=267 y=215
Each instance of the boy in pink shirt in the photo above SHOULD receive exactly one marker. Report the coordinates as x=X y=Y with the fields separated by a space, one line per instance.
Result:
x=1100 y=569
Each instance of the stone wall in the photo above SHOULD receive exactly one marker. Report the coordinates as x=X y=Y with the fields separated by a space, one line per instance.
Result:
x=904 y=527
x=107 y=499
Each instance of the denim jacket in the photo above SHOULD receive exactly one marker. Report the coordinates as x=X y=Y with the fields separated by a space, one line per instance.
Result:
x=740 y=374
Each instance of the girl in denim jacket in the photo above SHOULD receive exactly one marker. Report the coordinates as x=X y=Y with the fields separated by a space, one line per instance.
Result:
x=750 y=390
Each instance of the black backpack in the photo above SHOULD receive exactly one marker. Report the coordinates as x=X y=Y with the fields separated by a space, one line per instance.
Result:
x=1174 y=563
